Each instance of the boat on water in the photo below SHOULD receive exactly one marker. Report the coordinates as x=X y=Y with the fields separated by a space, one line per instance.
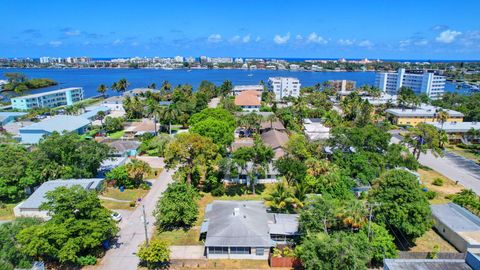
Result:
x=250 y=75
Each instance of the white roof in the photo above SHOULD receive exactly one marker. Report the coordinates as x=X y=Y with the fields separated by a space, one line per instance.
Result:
x=48 y=93
x=59 y=123
x=452 y=127
x=423 y=110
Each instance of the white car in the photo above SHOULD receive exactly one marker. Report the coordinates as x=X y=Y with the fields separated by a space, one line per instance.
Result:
x=116 y=216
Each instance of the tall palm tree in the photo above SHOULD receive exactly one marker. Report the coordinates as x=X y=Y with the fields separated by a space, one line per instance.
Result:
x=114 y=86
x=169 y=114
x=442 y=117
x=153 y=110
x=272 y=118
x=122 y=85
x=166 y=86
x=100 y=116
x=137 y=170
x=152 y=86
x=102 y=89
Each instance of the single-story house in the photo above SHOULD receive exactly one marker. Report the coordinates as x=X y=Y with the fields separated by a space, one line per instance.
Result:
x=31 y=206
x=270 y=175
x=470 y=262
x=114 y=103
x=244 y=230
x=123 y=148
x=458 y=225
x=110 y=164
x=60 y=123
x=91 y=112
x=249 y=100
x=277 y=140
x=459 y=131
x=241 y=88
x=7 y=117
x=134 y=129
x=315 y=130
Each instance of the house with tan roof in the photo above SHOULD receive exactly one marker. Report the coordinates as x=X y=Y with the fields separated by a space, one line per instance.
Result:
x=249 y=100
x=277 y=140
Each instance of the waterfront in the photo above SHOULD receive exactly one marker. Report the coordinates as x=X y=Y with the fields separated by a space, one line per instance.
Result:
x=90 y=79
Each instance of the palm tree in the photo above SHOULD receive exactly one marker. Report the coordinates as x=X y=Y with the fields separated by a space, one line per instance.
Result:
x=114 y=86
x=442 y=117
x=153 y=110
x=282 y=198
x=166 y=86
x=272 y=118
x=100 y=116
x=169 y=114
x=137 y=170
x=122 y=85
x=473 y=134
x=102 y=89
x=152 y=86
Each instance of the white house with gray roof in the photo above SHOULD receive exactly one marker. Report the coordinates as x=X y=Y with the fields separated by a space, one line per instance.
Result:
x=458 y=225
x=244 y=230
x=31 y=206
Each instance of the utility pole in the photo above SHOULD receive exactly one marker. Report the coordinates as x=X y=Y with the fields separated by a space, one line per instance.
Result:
x=370 y=213
x=145 y=225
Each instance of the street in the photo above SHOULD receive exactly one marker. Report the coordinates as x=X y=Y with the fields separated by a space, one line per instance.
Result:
x=122 y=254
x=453 y=166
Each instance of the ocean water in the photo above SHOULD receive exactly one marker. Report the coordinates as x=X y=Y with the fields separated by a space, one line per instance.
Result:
x=90 y=79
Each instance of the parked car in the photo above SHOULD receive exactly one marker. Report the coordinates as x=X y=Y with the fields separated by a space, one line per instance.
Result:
x=116 y=216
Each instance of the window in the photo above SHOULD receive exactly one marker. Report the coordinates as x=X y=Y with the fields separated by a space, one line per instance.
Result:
x=218 y=250
x=239 y=250
x=259 y=251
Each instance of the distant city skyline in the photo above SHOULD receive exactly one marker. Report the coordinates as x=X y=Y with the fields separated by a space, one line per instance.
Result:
x=278 y=29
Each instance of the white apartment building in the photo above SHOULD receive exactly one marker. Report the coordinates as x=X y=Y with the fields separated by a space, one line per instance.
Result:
x=61 y=97
x=419 y=81
x=178 y=59
x=284 y=87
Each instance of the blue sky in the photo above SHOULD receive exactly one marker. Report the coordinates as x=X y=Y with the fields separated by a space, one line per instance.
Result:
x=265 y=28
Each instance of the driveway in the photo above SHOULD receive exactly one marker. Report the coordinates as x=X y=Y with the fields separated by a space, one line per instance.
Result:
x=187 y=252
x=214 y=102
x=122 y=254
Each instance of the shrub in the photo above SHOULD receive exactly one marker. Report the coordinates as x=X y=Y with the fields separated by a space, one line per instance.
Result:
x=156 y=254
x=430 y=194
x=438 y=182
x=218 y=191
x=133 y=203
x=87 y=260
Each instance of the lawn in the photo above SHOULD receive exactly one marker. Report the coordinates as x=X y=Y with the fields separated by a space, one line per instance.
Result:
x=6 y=211
x=191 y=236
x=126 y=195
x=116 y=205
x=429 y=240
x=448 y=188
x=116 y=135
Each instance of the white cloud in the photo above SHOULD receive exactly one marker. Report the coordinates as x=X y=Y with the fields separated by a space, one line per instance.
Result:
x=405 y=43
x=278 y=39
x=421 y=42
x=214 y=38
x=235 y=39
x=314 y=38
x=345 y=42
x=447 y=36
x=258 y=39
x=72 y=33
x=117 y=42
x=55 y=43
x=299 y=37
x=246 y=39
x=365 y=43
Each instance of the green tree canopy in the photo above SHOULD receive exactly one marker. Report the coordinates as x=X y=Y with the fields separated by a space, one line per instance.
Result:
x=402 y=203
x=177 y=208
x=382 y=243
x=78 y=226
x=156 y=254
x=341 y=250
x=219 y=131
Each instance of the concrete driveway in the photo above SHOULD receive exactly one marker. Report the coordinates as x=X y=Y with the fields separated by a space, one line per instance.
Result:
x=187 y=252
x=122 y=254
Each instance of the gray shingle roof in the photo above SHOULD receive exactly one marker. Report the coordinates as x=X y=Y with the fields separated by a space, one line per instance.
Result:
x=284 y=224
x=37 y=198
x=247 y=228
x=59 y=123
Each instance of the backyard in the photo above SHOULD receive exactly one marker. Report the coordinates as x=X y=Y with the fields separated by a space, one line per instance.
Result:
x=447 y=189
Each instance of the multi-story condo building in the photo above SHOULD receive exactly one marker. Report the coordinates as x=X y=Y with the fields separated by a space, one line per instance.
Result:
x=421 y=82
x=61 y=97
x=284 y=87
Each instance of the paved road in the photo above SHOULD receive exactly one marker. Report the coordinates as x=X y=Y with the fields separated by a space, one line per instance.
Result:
x=453 y=166
x=122 y=256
